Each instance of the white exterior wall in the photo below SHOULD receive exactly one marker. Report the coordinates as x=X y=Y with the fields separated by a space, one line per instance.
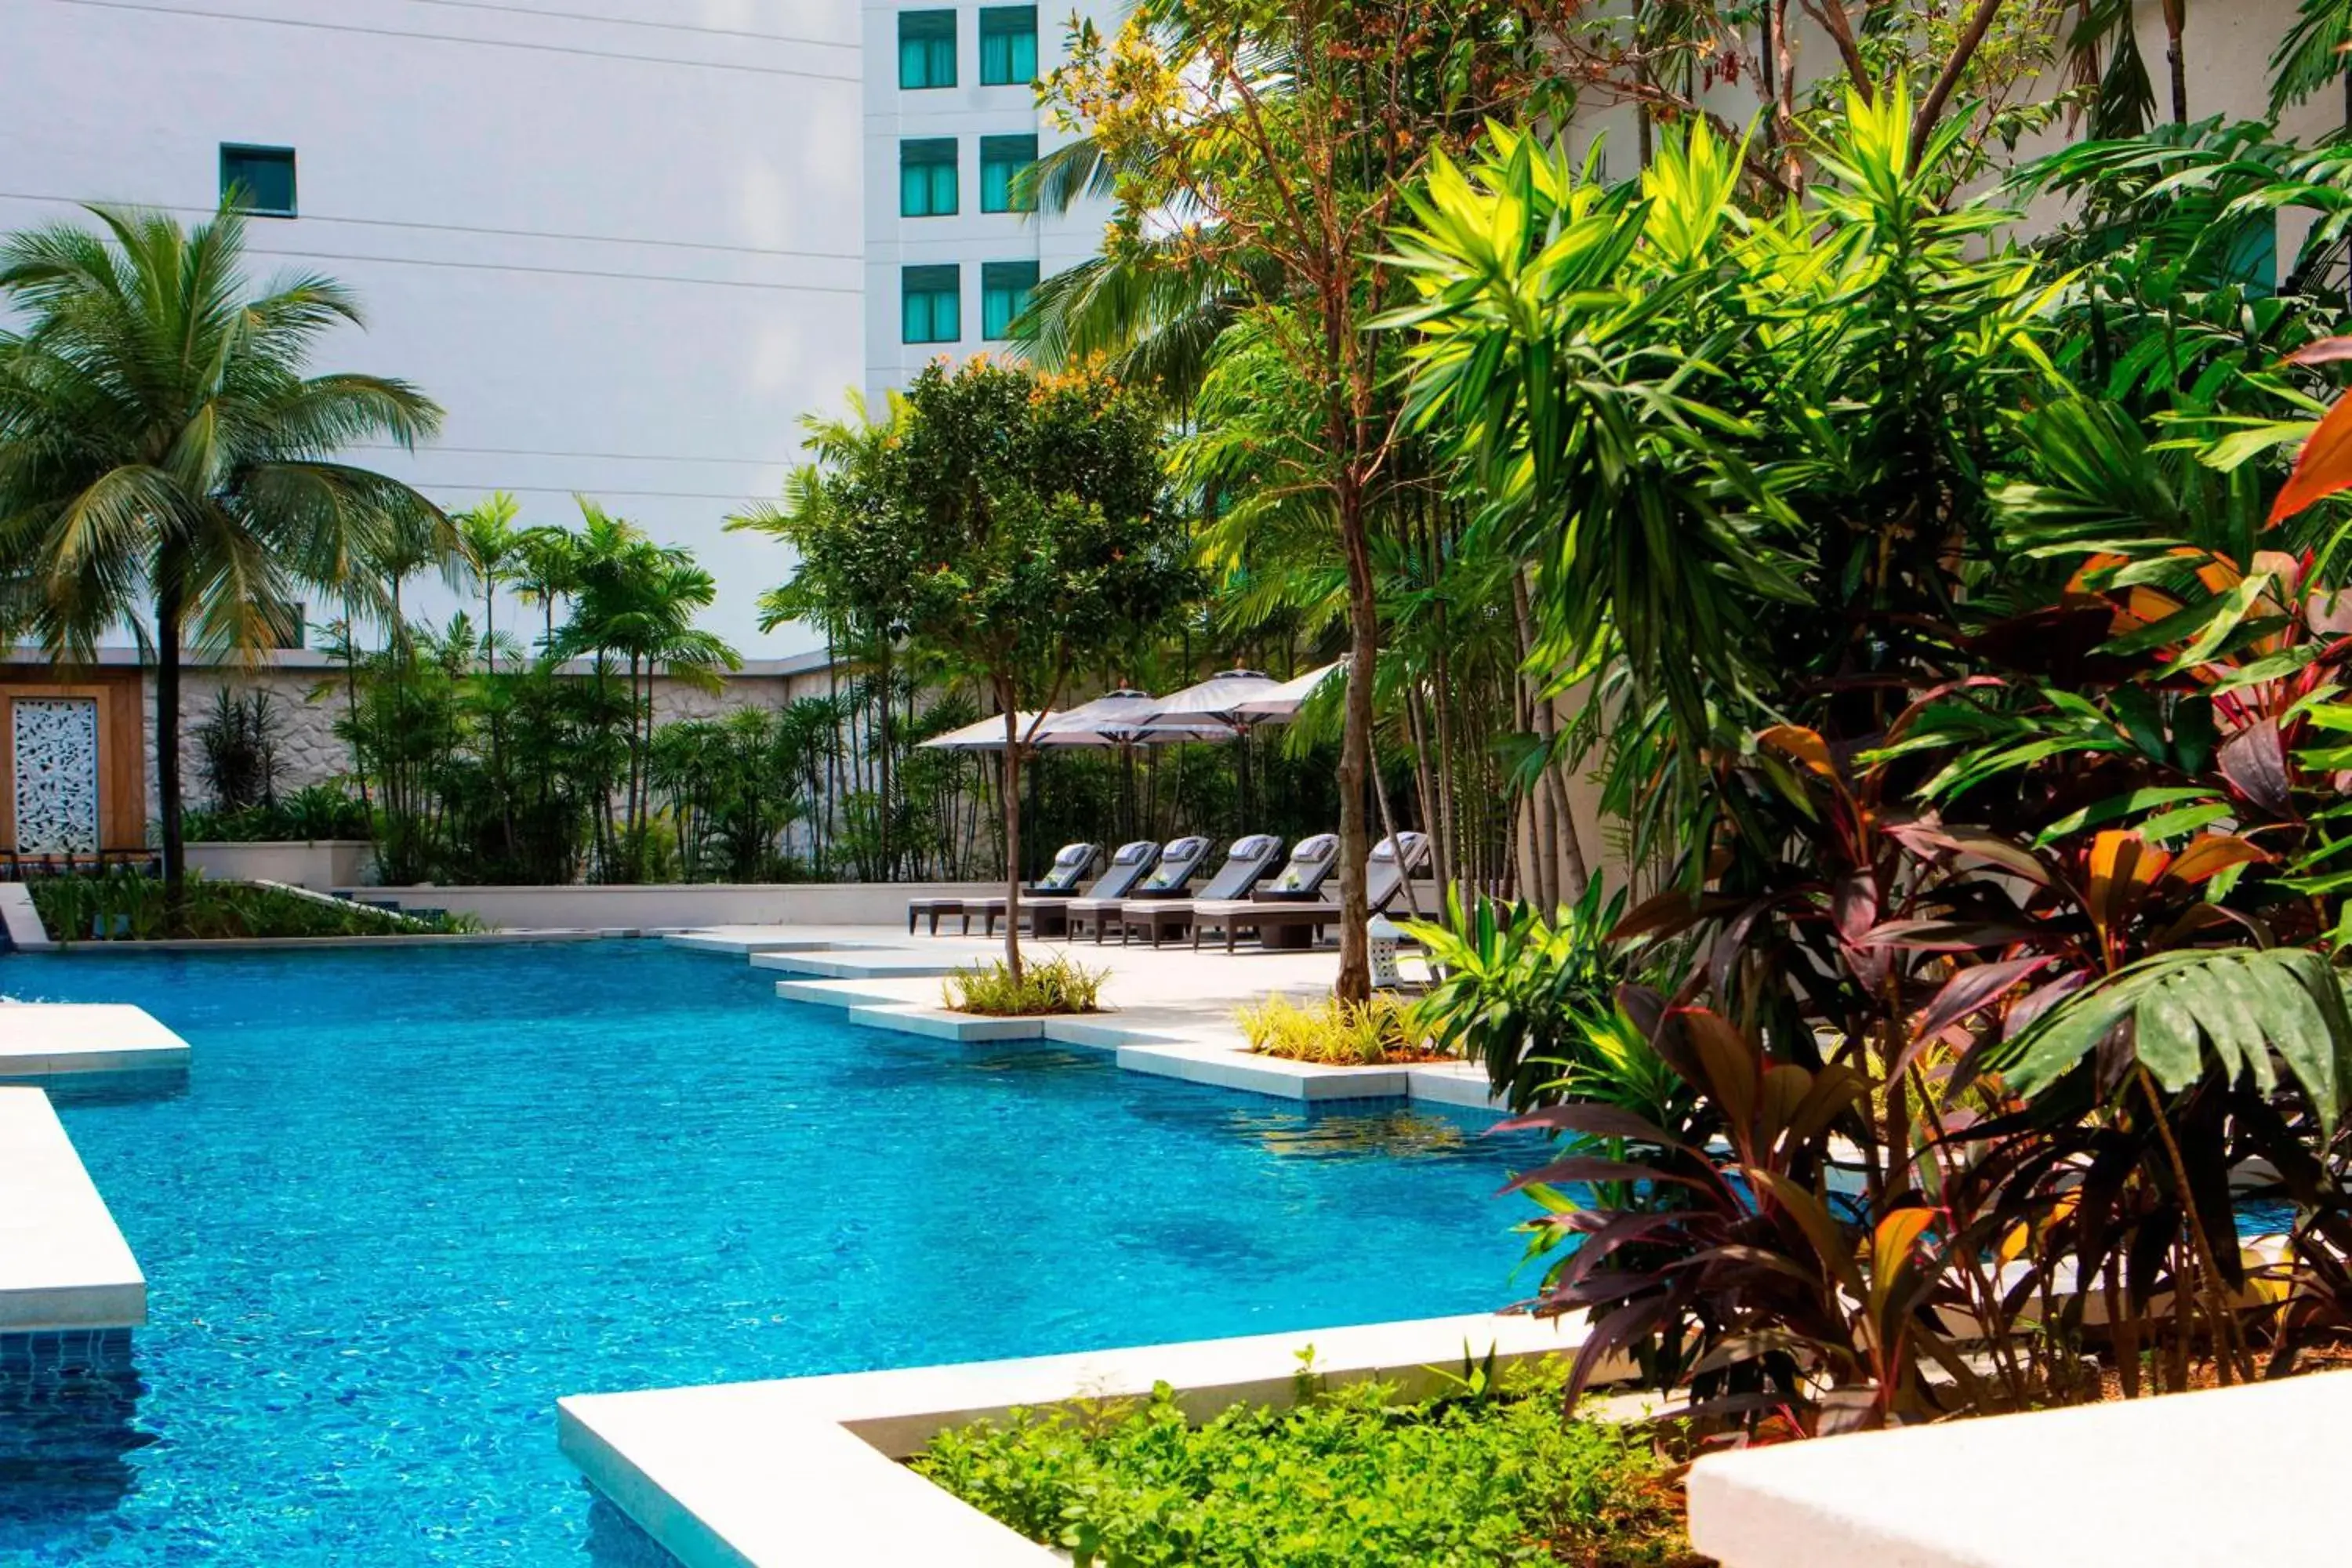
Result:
x=971 y=238
x=623 y=253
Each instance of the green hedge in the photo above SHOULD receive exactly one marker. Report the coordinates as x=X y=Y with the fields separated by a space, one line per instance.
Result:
x=1347 y=1480
x=124 y=905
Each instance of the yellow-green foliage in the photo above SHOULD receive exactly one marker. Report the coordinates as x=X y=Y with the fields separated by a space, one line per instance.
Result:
x=1334 y=1033
x=1054 y=985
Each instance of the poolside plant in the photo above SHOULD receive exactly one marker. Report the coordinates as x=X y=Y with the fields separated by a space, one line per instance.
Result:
x=1011 y=526
x=1353 y=1477
x=1054 y=986
x=1332 y=1032
x=122 y=904
x=166 y=458
x=1979 y=749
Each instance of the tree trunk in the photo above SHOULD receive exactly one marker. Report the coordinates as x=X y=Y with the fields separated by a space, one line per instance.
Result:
x=1355 y=981
x=167 y=747
x=1012 y=837
x=2174 y=22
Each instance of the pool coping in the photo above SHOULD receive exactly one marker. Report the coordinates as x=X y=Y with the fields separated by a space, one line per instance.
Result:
x=67 y=1039
x=1220 y=1057
x=796 y=1470
x=64 y=1264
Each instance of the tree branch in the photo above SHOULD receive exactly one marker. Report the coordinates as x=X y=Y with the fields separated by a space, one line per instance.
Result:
x=1831 y=15
x=1932 y=107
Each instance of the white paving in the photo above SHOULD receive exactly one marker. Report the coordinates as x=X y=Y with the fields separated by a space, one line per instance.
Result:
x=63 y=1264
x=48 y=1039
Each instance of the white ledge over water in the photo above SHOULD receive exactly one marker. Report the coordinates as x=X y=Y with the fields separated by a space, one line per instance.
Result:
x=802 y=1470
x=63 y=1264
x=44 y=1039
x=2249 y=1475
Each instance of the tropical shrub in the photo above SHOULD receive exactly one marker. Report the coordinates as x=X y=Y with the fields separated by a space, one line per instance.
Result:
x=1333 y=1032
x=236 y=750
x=310 y=814
x=1349 y=1478
x=1052 y=985
x=124 y=905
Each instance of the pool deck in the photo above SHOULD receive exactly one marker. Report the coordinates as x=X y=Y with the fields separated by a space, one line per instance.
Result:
x=64 y=1266
x=55 y=1039
x=803 y=1470
x=1172 y=1007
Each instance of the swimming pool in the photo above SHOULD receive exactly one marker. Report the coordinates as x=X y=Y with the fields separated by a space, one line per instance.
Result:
x=405 y=1200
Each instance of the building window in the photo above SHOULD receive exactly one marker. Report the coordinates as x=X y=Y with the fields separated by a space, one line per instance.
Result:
x=926 y=49
x=1008 y=45
x=257 y=179
x=1004 y=290
x=927 y=177
x=930 y=304
x=1000 y=158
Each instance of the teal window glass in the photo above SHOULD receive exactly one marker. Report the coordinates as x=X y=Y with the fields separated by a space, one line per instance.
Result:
x=930 y=304
x=1000 y=158
x=1004 y=290
x=926 y=49
x=927 y=177
x=261 y=179
x=1008 y=45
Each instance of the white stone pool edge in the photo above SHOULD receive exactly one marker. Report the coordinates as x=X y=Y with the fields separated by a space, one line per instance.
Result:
x=806 y=1470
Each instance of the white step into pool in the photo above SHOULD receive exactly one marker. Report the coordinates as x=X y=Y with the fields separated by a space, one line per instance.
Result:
x=47 y=1039
x=63 y=1265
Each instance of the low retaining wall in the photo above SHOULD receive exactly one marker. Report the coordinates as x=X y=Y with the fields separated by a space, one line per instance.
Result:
x=319 y=865
x=680 y=904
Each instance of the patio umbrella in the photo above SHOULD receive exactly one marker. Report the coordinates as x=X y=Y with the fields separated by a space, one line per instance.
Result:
x=1219 y=700
x=986 y=735
x=1121 y=719
x=1285 y=699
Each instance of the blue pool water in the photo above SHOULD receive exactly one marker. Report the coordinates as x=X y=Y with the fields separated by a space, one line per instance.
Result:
x=405 y=1200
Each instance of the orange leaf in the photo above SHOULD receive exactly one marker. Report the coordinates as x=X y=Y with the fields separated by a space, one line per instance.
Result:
x=2210 y=854
x=1801 y=746
x=2323 y=468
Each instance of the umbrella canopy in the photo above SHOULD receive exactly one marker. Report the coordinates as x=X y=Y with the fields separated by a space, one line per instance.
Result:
x=1218 y=700
x=1122 y=718
x=1285 y=699
x=987 y=735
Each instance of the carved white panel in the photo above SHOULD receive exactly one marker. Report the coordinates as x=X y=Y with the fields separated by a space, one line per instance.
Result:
x=55 y=745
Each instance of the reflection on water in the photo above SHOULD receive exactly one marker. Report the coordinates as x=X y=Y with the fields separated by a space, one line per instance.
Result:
x=68 y=1403
x=1401 y=1133
x=147 y=1086
x=615 y=1542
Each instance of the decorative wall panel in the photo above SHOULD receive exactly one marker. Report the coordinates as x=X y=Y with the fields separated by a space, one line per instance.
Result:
x=54 y=743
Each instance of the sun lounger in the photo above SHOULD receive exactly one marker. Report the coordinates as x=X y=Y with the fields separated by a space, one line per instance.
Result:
x=1050 y=916
x=1290 y=922
x=1246 y=863
x=1171 y=878
x=1071 y=863
x=1312 y=862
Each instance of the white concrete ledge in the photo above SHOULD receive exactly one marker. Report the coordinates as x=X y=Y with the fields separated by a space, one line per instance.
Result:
x=64 y=1266
x=47 y=1039
x=2256 y=1476
x=800 y=1470
x=940 y=1024
x=20 y=921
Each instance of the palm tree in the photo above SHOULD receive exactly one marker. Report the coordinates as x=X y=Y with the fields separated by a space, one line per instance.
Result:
x=161 y=452
x=547 y=568
x=493 y=551
x=637 y=600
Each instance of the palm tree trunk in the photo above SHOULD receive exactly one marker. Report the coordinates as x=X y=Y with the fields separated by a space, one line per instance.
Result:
x=167 y=744
x=2175 y=23
x=1354 y=981
x=1012 y=831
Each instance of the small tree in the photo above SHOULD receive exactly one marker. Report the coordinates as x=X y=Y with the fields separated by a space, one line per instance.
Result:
x=1026 y=538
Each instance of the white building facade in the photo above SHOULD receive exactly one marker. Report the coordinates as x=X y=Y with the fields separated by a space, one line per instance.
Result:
x=617 y=239
x=952 y=116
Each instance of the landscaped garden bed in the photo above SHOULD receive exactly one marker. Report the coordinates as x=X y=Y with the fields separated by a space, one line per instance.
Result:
x=1044 y=988
x=1488 y=1473
x=123 y=905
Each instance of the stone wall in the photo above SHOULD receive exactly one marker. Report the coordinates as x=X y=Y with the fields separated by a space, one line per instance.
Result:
x=305 y=689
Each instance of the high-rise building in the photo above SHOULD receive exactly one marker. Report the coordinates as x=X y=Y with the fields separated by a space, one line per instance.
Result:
x=951 y=118
x=617 y=239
